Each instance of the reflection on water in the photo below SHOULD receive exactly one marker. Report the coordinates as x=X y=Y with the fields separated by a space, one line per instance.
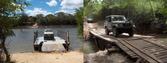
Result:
x=23 y=39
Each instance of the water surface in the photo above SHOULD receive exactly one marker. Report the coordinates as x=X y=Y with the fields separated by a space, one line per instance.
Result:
x=23 y=39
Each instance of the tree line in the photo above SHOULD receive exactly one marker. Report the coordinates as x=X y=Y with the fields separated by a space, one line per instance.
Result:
x=60 y=18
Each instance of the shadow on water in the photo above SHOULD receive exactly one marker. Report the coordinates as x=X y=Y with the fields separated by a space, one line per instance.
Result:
x=23 y=39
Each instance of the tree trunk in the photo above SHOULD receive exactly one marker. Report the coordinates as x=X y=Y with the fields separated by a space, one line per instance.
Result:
x=5 y=50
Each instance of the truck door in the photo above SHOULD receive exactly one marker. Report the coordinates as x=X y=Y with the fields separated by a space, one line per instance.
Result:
x=109 y=22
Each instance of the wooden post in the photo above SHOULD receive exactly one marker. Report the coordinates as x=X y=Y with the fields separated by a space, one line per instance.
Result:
x=97 y=44
x=67 y=40
x=35 y=35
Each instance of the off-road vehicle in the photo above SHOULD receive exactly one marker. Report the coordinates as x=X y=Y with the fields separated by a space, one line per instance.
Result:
x=118 y=24
x=90 y=19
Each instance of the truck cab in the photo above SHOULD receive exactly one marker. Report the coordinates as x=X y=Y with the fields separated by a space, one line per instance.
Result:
x=118 y=24
x=48 y=35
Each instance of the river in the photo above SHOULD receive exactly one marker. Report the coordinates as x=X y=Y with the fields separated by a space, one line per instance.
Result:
x=22 y=41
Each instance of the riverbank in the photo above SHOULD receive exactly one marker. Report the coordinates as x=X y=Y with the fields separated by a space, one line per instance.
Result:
x=104 y=57
x=54 y=57
x=22 y=51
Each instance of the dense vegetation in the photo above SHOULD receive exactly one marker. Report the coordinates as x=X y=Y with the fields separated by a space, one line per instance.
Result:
x=8 y=17
x=79 y=18
x=60 y=18
x=146 y=14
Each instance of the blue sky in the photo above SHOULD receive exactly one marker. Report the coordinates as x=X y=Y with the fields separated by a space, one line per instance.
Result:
x=52 y=6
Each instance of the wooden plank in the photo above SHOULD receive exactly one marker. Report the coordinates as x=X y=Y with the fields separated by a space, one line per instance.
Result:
x=138 y=51
x=102 y=37
x=142 y=54
x=127 y=51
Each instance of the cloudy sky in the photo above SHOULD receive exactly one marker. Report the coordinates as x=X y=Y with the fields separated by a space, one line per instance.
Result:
x=52 y=6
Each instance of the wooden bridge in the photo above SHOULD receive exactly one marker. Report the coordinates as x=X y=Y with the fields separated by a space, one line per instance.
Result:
x=139 y=48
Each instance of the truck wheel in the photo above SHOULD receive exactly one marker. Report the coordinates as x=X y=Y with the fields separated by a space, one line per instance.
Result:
x=107 y=31
x=66 y=46
x=115 y=33
x=131 y=33
x=40 y=46
x=36 y=48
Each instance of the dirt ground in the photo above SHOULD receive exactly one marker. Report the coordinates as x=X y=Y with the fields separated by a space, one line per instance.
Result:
x=54 y=57
x=103 y=57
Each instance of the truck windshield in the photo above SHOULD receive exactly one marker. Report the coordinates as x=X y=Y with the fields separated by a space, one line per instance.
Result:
x=119 y=18
x=49 y=37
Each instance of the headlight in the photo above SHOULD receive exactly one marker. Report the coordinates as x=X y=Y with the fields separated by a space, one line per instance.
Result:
x=134 y=26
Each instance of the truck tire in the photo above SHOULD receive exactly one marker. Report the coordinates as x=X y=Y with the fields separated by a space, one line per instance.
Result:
x=107 y=31
x=66 y=46
x=40 y=47
x=131 y=33
x=36 y=48
x=115 y=33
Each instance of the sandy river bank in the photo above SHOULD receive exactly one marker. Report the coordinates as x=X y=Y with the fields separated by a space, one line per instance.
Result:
x=54 y=57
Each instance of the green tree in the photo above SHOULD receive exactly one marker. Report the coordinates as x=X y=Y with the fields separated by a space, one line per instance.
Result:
x=51 y=19
x=7 y=18
x=79 y=18
x=65 y=18
x=71 y=19
x=31 y=19
x=92 y=7
x=41 y=19
x=61 y=17
x=23 y=19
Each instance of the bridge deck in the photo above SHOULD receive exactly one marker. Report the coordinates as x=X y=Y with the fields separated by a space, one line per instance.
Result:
x=137 y=47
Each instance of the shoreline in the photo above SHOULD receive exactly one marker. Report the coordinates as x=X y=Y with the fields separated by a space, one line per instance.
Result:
x=53 y=57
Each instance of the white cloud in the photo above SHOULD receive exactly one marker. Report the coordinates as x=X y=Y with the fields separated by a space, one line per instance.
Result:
x=36 y=11
x=52 y=3
x=69 y=6
x=66 y=11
